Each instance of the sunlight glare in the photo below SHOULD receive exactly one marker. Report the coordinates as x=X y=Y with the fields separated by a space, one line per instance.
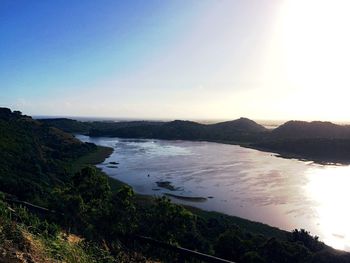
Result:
x=329 y=188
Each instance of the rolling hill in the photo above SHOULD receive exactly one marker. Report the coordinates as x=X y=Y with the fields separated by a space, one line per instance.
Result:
x=241 y=130
x=316 y=140
x=33 y=155
x=307 y=130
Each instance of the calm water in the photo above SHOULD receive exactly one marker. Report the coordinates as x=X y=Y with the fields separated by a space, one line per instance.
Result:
x=256 y=185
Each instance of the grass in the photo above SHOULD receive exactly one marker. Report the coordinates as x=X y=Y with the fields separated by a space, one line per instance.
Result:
x=223 y=219
x=250 y=226
x=93 y=158
x=40 y=248
x=61 y=249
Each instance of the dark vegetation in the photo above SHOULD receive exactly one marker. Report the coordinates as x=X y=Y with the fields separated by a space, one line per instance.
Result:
x=319 y=150
x=238 y=130
x=311 y=130
x=318 y=141
x=47 y=167
x=73 y=126
x=34 y=156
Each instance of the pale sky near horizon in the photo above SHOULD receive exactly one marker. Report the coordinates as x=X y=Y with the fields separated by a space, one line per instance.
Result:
x=188 y=59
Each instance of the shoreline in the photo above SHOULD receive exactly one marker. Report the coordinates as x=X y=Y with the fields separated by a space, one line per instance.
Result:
x=102 y=153
x=287 y=155
x=250 y=145
x=254 y=227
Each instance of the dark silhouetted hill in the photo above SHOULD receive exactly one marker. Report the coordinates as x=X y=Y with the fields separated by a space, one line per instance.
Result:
x=241 y=124
x=240 y=130
x=103 y=127
x=316 y=140
x=314 y=129
x=68 y=125
x=316 y=149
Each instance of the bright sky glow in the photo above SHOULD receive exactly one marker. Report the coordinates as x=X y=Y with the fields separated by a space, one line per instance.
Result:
x=263 y=59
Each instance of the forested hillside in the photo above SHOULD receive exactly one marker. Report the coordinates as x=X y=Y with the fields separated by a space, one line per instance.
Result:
x=33 y=156
x=318 y=141
x=240 y=130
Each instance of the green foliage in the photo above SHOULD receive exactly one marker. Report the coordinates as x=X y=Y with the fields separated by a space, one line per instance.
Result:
x=93 y=188
x=96 y=156
x=167 y=222
x=82 y=252
x=304 y=237
x=34 y=224
x=230 y=245
x=122 y=216
x=32 y=156
x=85 y=201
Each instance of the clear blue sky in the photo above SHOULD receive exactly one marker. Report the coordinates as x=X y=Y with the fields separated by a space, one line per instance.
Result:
x=168 y=59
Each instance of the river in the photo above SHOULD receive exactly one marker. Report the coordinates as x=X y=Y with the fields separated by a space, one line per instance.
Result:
x=260 y=186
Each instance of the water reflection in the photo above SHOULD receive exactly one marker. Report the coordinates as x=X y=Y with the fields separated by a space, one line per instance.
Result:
x=329 y=187
x=286 y=193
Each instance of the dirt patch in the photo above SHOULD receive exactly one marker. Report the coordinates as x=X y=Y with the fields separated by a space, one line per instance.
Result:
x=28 y=251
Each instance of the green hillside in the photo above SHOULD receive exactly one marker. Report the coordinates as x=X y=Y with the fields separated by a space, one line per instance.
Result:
x=34 y=156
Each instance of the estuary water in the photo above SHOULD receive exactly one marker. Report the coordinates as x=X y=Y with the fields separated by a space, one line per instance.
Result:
x=260 y=186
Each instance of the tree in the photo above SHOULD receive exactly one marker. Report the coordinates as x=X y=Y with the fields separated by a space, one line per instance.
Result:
x=306 y=239
x=229 y=245
x=85 y=203
x=168 y=222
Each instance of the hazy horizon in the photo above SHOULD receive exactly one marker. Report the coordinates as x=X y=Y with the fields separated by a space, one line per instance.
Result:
x=265 y=122
x=268 y=59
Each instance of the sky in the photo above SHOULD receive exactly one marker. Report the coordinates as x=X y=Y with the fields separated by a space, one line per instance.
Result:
x=176 y=59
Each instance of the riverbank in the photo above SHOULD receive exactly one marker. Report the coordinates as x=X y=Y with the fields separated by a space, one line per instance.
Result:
x=219 y=221
x=321 y=142
x=93 y=158
x=300 y=157
x=282 y=153
x=102 y=153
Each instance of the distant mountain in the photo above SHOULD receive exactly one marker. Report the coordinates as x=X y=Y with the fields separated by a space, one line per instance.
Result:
x=240 y=130
x=178 y=129
x=85 y=127
x=68 y=125
x=314 y=129
x=316 y=140
x=315 y=149
x=241 y=124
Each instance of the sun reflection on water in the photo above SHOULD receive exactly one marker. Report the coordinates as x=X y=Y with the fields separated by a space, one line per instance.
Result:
x=329 y=187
